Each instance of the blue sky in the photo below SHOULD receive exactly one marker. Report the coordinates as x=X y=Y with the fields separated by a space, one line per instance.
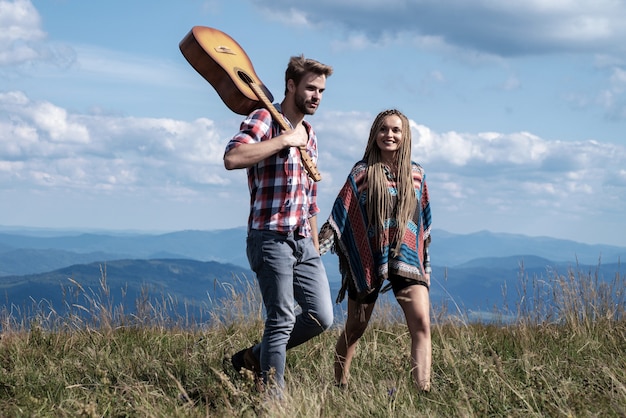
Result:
x=518 y=109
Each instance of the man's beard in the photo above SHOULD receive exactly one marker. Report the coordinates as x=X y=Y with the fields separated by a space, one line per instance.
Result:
x=301 y=105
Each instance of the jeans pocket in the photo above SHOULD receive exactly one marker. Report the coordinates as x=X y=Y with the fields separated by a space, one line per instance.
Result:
x=268 y=251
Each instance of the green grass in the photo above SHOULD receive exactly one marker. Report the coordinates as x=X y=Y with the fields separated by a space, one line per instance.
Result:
x=563 y=355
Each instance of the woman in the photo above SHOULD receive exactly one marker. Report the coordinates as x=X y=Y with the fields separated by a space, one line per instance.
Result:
x=380 y=229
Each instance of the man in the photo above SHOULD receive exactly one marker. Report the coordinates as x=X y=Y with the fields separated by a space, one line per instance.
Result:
x=282 y=242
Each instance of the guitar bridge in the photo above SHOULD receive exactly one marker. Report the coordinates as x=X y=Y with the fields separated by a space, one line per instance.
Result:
x=225 y=50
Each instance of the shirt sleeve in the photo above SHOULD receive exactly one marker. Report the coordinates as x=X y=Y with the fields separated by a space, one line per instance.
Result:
x=255 y=128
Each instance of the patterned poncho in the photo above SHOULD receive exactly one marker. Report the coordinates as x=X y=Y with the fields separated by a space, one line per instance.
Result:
x=363 y=265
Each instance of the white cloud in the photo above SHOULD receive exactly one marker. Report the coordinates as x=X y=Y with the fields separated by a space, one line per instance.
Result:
x=506 y=151
x=513 y=167
x=43 y=145
x=502 y=28
x=54 y=121
x=288 y=16
x=20 y=22
x=21 y=30
x=487 y=32
x=514 y=174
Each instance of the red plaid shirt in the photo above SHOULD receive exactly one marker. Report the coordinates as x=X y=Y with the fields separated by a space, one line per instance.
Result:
x=282 y=196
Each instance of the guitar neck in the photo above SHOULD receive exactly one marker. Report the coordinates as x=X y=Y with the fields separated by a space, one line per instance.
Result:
x=309 y=166
x=269 y=106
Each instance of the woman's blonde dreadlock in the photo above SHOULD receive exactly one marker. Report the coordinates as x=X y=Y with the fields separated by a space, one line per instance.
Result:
x=380 y=204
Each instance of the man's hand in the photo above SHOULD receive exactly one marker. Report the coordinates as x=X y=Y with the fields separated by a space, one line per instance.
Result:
x=246 y=155
x=297 y=137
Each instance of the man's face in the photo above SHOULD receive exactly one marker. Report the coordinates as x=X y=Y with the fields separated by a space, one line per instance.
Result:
x=308 y=93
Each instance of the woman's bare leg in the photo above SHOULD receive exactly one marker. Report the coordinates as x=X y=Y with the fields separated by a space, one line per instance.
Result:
x=346 y=343
x=415 y=304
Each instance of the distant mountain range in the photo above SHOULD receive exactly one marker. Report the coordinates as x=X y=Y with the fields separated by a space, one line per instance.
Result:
x=476 y=272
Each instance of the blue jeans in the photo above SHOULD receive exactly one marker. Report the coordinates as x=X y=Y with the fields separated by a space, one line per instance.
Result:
x=289 y=271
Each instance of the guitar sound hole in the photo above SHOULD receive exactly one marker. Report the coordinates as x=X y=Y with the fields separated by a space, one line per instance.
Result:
x=257 y=87
x=244 y=77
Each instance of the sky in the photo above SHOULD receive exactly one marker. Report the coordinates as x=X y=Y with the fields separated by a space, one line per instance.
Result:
x=517 y=109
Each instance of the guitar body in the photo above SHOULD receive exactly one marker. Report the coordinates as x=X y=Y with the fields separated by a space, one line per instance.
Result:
x=223 y=63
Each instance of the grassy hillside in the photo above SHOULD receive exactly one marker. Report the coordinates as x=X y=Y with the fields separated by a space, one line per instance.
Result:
x=192 y=286
x=563 y=356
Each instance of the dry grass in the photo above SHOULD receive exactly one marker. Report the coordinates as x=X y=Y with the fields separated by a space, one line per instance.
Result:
x=562 y=356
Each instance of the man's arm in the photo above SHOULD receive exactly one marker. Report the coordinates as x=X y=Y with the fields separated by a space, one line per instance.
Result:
x=246 y=155
x=314 y=232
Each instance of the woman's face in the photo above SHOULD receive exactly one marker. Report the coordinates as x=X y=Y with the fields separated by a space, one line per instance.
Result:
x=389 y=137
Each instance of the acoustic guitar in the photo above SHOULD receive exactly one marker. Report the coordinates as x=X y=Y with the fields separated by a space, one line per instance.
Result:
x=224 y=64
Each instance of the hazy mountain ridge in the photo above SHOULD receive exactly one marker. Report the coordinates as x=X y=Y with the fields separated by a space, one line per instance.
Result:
x=189 y=282
x=197 y=284
x=497 y=282
x=225 y=246
x=526 y=261
x=455 y=249
x=29 y=260
x=193 y=244
x=228 y=246
x=475 y=271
